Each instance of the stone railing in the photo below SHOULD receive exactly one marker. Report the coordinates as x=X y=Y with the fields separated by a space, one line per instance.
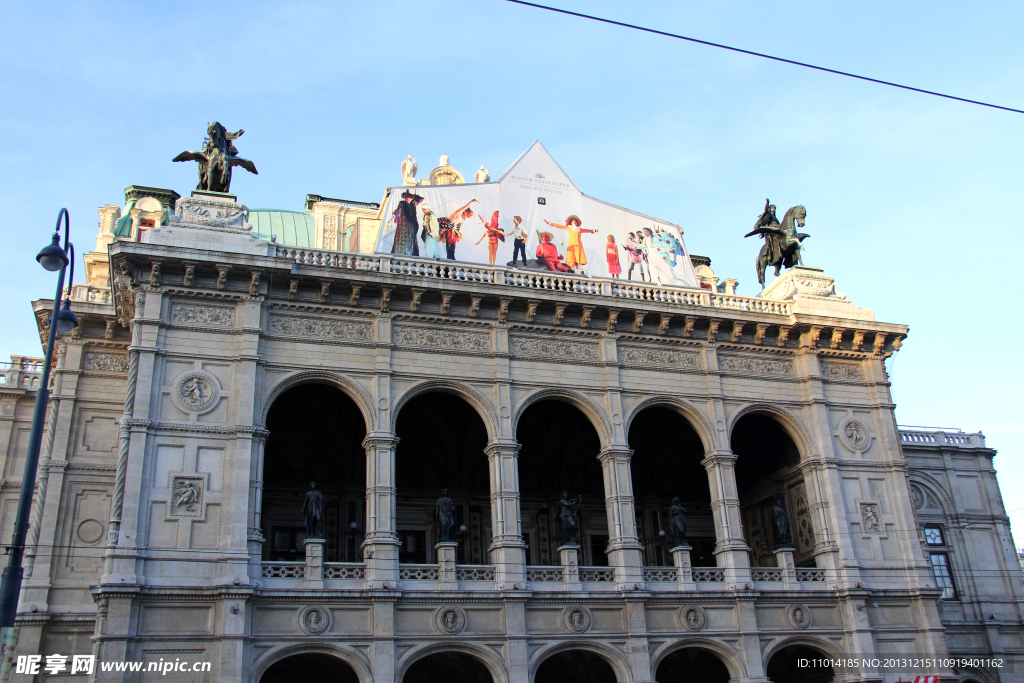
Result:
x=530 y=279
x=597 y=574
x=544 y=573
x=766 y=574
x=661 y=574
x=474 y=572
x=812 y=575
x=23 y=374
x=344 y=570
x=418 y=572
x=90 y=293
x=284 y=570
x=708 y=574
x=924 y=436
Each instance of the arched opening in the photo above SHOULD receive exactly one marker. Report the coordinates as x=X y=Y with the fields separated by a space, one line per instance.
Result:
x=316 y=434
x=310 y=667
x=559 y=449
x=666 y=464
x=692 y=665
x=768 y=478
x=575 y=666
x=799 y=664
x=441 y=446
x=448 y=667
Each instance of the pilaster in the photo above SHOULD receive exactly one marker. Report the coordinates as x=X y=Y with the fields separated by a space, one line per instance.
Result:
x=731 y=550
x=508 y=551
x=624 y=549
x=380 y=544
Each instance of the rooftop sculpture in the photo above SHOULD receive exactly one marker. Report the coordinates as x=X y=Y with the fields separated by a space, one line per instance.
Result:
x=781 y=241
x=218 y=157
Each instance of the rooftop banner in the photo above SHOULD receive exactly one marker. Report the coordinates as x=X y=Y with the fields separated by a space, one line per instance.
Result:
x=533 y=217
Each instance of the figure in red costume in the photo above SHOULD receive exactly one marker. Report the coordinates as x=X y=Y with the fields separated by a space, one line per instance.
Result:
x=548 y=256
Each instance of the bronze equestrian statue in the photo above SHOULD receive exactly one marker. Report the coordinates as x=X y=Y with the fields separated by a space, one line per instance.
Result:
x=218 y=157
x=781 y=241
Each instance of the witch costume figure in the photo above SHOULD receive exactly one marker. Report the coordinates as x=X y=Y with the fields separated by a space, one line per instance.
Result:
x=407 y=226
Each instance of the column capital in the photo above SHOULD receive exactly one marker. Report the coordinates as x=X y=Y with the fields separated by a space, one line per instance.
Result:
x=502 y=447
x=617 y=452
x=721 y=456
x=380 y=440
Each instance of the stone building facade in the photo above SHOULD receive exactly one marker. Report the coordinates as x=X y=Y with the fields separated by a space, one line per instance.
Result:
x=216 y=372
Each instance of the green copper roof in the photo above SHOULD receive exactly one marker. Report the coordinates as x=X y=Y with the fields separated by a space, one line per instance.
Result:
x=294 y=228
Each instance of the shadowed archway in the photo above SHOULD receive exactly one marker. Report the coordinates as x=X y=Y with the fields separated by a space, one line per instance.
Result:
x=448 y=667
x=785 y=666
x=310 y=667
x=692 y=665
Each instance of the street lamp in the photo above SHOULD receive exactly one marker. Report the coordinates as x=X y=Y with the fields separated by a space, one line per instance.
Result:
x=52 y=257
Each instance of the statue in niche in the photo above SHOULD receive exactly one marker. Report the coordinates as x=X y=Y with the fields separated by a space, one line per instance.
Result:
x=568 y=526
x=313 y=509
x=444 y=515
x=676 y=523
x=780 y=525
x=782 y=243
x=218 y=157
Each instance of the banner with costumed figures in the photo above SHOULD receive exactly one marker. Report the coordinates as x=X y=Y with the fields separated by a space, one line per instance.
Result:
x=533 y=217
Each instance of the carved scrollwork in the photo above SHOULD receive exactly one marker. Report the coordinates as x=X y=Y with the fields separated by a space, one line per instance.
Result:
x=452 y=340
x=757 y=366
x=641 y=355
x=319 y=328
x=522 y=345
x=105 y=362
x=202 y=314
x=831 y=369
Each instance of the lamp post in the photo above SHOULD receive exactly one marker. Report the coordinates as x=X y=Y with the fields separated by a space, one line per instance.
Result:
x=53 y=257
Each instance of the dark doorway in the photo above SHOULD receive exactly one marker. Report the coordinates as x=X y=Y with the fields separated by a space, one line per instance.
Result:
x=559 y=449
x=310 y=667
x=316 y=434
x=667 y=455
x=785 y=666
x=767 y=471
x=448 y=667
x=575 y=666
x=692 y=665
x=441 y=446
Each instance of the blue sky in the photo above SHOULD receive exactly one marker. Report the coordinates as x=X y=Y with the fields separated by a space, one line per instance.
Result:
x=913 y=201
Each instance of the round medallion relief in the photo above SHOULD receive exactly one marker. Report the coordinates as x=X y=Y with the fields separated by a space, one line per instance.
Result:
x=854 y=434
x=314 y=619
x=916 y=496
x=577 y=619
x=693 y=618
x=798 y=616
x=196 y=391
x=90 y=531
x=450 y=619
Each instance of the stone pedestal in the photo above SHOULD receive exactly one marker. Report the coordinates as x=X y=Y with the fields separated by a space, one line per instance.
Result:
x=315 y=562
x=446 y=579
x=813 y=292
x=570 y=557
x=684 y=572
x=784 y=561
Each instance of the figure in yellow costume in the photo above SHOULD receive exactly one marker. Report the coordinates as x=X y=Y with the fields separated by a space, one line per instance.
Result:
x=574 y=254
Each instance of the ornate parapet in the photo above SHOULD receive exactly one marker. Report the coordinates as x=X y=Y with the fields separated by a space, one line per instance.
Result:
x=813 y=292
x=208 y=220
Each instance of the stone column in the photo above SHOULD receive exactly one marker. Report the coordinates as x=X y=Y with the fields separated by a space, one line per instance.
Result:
x=624 y=549
x=380 y=544
x=255 y=536
x=314 y=563
x=446 y=577
x=784 y=561
x=731 y=550
x=508 y=552
x=569 y=555
x=684 y=572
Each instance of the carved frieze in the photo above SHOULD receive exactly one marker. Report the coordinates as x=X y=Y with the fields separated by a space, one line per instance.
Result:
x=831 y=369
x=756 y=365
x=523 y=345
x=319 y=328
x=450 y=340
x=642 y=355
x=202 y=314
x=105 y=362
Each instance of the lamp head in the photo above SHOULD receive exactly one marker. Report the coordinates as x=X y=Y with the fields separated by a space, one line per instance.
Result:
x=52 y=257
x=66 y=320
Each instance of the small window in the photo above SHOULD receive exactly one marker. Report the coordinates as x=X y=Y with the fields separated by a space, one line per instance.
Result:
x=943 y=575
x=147 y=223
x=933 y=535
